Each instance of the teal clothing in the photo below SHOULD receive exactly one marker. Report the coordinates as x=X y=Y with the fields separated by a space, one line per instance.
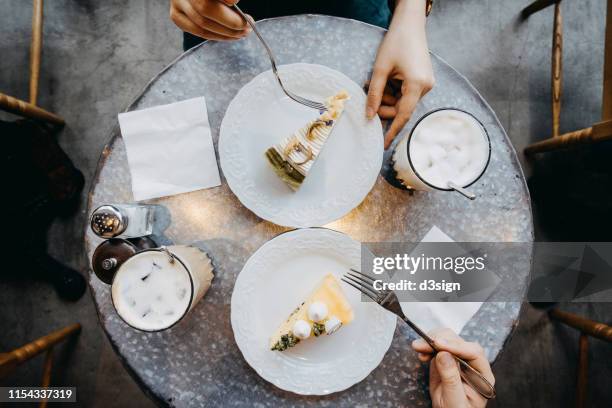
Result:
x=375 y=12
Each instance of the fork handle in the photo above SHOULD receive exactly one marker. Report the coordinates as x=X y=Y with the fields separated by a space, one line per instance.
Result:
x=470 y=375
x=475 y=379
x=263 y=42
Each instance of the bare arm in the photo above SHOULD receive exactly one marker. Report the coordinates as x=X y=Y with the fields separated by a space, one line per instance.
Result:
x=403 y=56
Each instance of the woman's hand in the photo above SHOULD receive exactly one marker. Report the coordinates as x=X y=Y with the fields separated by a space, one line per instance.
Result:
x=404 y=56
x=209 y=19
x=445 y=385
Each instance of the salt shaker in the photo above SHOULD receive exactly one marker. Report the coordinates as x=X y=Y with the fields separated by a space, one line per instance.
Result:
x=122 y=220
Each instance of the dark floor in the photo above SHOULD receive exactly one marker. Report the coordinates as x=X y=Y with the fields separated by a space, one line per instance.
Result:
x=99 y=54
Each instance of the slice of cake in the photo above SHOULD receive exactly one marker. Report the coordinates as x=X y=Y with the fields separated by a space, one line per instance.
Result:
x=323 y=312
x=293 y=158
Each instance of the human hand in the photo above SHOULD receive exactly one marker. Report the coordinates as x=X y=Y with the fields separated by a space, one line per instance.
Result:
x=404 y=56
x=209 y=19
x=445 y=386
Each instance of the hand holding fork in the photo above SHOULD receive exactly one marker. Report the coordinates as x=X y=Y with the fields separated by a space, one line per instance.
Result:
x=477 y=376
x=445 y=383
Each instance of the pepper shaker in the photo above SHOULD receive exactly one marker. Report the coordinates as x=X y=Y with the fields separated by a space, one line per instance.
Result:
x=122 y=220
x=110 y=254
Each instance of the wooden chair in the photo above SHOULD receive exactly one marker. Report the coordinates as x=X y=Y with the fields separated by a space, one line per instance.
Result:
x=30 y=109
x=10 y=361
x=599 y=131
x=587 y=328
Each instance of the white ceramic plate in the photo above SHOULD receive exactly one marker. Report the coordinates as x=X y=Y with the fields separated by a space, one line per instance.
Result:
x=280 y=275
x=261 y=115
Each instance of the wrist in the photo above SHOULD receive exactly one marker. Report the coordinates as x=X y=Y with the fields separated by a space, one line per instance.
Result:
x=414 y=6
x=409 y=15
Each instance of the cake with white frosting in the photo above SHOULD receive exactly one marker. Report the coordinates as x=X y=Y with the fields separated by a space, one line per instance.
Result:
x=293 y=158
x=323 y=312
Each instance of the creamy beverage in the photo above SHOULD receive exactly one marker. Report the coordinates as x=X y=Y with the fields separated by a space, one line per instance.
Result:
x=445 y=146
x=155 y=288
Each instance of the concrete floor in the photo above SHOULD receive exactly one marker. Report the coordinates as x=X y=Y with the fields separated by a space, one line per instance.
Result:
x=98 y=56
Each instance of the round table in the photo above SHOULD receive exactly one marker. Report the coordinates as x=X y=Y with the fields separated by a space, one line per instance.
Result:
x=197 y=362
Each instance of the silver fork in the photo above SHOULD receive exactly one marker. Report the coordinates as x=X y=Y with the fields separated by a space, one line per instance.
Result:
x=307 y=102
x=388 y=300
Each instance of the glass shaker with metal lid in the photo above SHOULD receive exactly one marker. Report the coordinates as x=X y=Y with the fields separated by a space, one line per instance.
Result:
x=122 y=220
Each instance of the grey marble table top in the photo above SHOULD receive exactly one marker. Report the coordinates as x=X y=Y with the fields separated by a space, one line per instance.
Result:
x=197 y=363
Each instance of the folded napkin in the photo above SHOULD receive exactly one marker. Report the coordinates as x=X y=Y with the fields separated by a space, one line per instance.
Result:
x=432 y=315
x=169 y=149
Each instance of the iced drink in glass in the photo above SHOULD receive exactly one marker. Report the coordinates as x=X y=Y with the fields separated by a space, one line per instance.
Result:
x=445 y=145
x=156 y=288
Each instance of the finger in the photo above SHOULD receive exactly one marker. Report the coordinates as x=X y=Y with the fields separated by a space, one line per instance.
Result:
x=376 y=90
x=450 y=380
x=182 y=21
x=388 y=99
x=466 y=350
x=445 y=339
x=387 y=112
x=389 y=90
x=471 y=352
x=439 y=334
x=405 y=106
x=434 y=377
x=229 y=2
x=219 y=12
x=421 y=346
x=424 y=358
x=211 y=25
x=387 y=108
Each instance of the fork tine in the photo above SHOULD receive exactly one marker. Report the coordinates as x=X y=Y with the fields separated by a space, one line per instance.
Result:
x=363 y=274
x=358 y=288
x=369 y=280
x=316 y=105
x=310 y=104
x=367 y=283
x=300 y=98
x=304 y=101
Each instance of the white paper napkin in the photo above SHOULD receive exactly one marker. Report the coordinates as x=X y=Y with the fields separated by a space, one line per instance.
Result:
x=169 y=149
x=433 y=315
